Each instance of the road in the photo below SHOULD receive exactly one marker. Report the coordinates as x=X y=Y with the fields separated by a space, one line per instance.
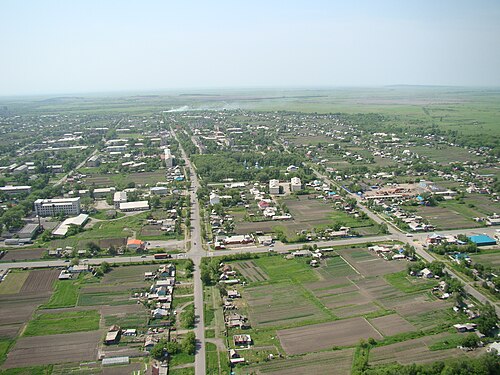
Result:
x=65 y=177
x=196 y=253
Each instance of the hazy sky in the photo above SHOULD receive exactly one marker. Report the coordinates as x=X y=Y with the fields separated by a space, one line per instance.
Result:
x=90 y=46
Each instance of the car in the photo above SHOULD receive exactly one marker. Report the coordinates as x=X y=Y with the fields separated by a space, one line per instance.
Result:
x=66 y=261
x=409 y=235
x=143 y=256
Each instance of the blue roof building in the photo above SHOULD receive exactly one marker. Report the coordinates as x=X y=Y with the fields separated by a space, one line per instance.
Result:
x=482 y=240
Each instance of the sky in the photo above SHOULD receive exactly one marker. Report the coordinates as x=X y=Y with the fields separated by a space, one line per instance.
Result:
x=79 y=46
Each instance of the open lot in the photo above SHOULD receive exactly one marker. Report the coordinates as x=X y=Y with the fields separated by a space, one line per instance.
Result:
x=16 y=310
x=451 y=216
x=369 y=264
x=63 y=322
x=325 y=335
x=41 y=350
x=487 y=258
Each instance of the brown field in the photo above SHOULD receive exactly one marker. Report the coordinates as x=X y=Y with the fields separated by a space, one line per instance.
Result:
x=314 y=363
x=412 y=351
x=116 y=242
x=43 y=350
x=326 y=335
x=40 y=281
x=391 y=325
x=151 y=230
x=122 y=275
x=23 y=254
x=251 y=271
x=16 y=310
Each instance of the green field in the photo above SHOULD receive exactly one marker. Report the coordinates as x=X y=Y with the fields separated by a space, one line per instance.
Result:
x=409 y=284
x=5 y=345
x=280 y=269
x=63 y=322
x=105 y=298
x=13 y=282
x=34 y=370
x=65 y=295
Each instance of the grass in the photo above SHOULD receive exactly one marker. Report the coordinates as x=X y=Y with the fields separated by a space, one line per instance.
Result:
x=210 y=333
x=105 y=298
x=13 y=282
x=34 y=370
x=212 y=358
x=5 y=346
x=65 y=295
x=408 y=284
x=448 y=342
x=280 y=269
x=63 y=322
x=181 y=359
x=181 y=371
x=136 y=320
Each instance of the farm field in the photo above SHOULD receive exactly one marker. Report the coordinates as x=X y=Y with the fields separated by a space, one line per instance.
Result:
x=13 y=282
x=316 y=337
x=23 y=254
x=314 y=363
x=62 y=322
x=42 y=350
x=145 y=178
x=487 y=258
x=250 y=271
x=449 y=216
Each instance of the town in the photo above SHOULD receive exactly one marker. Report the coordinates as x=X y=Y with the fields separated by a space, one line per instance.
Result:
x=243 y=241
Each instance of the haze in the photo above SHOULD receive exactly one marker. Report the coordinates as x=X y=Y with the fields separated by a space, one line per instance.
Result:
x=94 y=46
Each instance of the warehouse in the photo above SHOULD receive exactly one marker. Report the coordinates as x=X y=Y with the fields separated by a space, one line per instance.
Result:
x=482 y=240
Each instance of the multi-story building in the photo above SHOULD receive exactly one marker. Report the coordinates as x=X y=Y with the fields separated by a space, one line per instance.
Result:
x=295 y=184
x=9 y=189
x=119 y=198
x=52 y=207
x=274 y=187
x=169 y=158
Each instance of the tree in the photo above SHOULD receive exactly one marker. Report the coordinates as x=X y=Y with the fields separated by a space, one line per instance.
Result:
x=93 y=247
x=75 y=261
x=158 y=351
x=105 y=267
x=188 y=317
x=488 y=320
x=470 y=341
x=188 y=343
x=112 y=250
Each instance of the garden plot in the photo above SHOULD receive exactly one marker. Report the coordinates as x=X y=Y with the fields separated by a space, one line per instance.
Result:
x=280 y=305
x=390 y=325
x=314 y=363
x=411 y=351
x=369 y=264
x=326 y=335
x=40 y=281
x=43 y=350
x=250 y=271
x=23 y=254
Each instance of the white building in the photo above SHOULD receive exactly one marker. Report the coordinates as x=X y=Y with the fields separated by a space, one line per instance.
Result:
x=9 y=189
x=214 y=198
x=63 y=228
x=103 y=192
x=274 y=187
x=134 y=206
x=295 y=184
x=119 y=198
x=51 y=207
x=169 y=158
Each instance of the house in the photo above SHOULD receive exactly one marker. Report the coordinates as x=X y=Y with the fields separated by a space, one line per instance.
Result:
x=113 y=335
x=232 y=294
x=468 y=327
x=158 y=190
x=135 y=244
x=242 y=340
x=150 y=343
x=79 y=268
x=214 y=198
x=494 y=347
x=427 y=273
x=234 y=357
x=159 y=313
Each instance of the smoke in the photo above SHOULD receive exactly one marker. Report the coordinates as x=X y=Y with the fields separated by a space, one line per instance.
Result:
x=217 y=107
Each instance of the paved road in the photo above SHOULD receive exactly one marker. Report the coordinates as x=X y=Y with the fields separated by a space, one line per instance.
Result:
x=65 y=177
x=196 y=253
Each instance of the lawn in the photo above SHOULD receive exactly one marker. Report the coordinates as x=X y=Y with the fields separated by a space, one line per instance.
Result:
x=181 y=371
x=105 y=298
x=181 y=359
x=63 y=322
x=212 y=358
x=65 y=295
x=409 y=284
x=13 y=282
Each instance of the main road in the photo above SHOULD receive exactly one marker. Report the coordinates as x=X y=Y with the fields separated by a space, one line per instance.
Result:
x=196 y=253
